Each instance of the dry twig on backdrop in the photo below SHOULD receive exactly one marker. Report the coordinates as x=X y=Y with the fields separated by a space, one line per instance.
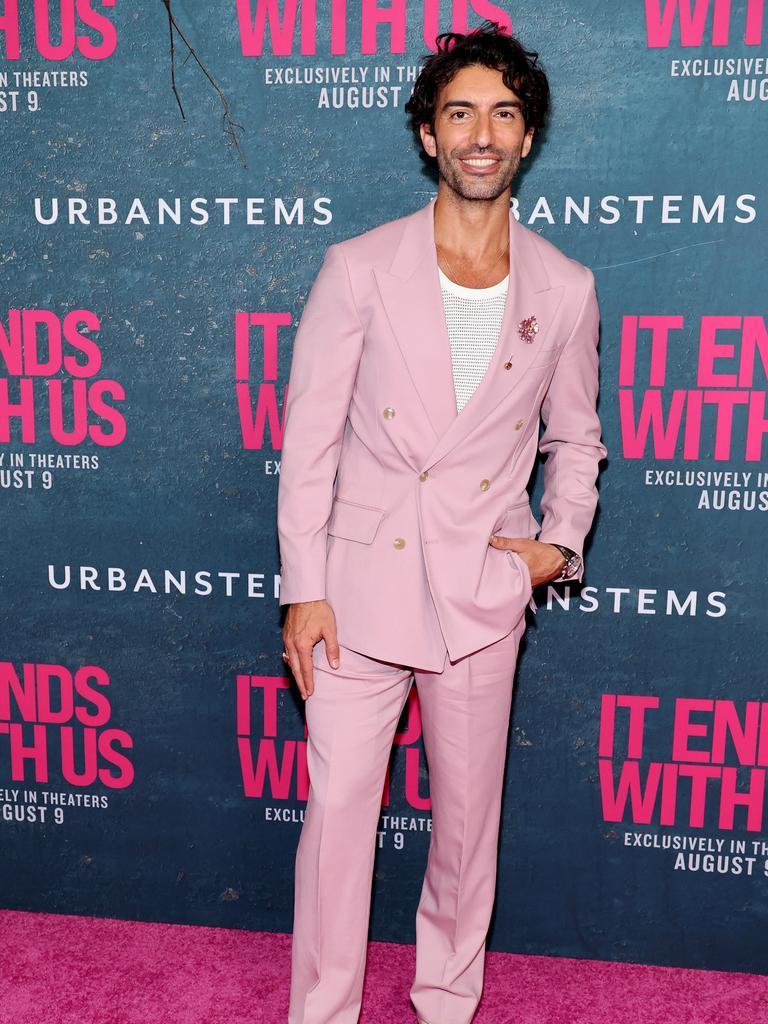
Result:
x=230 y=126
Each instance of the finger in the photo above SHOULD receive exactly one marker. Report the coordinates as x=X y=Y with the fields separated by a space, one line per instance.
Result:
x=331 y=646
x=508 y=543
x=295 y=663
x=305 y=663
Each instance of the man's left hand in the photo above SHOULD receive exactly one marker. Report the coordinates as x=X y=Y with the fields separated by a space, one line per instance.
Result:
x=545 y=562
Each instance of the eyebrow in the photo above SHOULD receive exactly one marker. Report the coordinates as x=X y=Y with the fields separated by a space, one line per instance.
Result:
x=469 y=103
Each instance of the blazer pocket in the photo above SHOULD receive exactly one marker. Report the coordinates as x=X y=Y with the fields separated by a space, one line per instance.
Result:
x=354 y=522
x=518 y=520
x=522 y=567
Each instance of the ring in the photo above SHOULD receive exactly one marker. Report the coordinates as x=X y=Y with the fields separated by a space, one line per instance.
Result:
x=285 y=655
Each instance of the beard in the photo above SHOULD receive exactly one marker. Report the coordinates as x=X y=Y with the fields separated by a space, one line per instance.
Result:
x=485 y=187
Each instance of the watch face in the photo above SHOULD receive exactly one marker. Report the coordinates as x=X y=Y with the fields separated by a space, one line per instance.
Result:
x=572 y=567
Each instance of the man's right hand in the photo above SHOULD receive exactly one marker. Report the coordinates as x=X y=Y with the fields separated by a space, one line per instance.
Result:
x=306 y=622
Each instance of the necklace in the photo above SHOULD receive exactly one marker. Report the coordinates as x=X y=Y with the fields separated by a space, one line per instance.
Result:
x=504 y=249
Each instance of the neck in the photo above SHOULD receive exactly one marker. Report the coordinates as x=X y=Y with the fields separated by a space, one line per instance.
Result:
x=472 y=230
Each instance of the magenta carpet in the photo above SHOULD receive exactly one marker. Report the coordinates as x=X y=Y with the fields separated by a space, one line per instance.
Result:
x=80 y=970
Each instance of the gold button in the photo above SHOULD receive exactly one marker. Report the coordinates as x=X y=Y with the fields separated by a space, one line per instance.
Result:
x=399 y=542
x=389 y=412
x=424 y=475
x=484 y=485
x=519 y=424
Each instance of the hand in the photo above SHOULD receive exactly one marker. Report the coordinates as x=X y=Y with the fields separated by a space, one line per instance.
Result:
x=305 y=623
x=545 y=562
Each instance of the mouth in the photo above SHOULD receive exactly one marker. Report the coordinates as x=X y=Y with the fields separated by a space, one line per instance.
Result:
x=480 y=164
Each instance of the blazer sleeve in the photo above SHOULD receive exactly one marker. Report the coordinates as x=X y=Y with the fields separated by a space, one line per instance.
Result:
x=326 y=355
x=571 y=439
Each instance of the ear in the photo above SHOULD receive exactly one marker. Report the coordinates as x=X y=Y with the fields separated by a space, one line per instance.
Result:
x=428 y=139
x=527 y=142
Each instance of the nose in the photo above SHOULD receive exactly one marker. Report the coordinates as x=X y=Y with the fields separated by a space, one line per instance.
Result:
x=482 y=129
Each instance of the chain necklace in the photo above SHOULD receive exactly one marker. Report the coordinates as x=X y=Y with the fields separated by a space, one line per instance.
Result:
x=502 y=252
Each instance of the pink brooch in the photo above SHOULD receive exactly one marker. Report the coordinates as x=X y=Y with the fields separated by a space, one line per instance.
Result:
x=528 y=328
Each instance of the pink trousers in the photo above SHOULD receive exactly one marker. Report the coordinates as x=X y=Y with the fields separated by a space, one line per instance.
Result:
x=351 y=720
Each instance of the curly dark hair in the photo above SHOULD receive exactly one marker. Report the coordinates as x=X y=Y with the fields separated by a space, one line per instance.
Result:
x=491 y=46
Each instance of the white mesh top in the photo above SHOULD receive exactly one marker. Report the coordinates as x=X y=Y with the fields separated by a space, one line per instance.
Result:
x=473 y=317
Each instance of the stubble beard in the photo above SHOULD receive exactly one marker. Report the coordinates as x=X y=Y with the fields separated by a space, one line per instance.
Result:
x=480 y=188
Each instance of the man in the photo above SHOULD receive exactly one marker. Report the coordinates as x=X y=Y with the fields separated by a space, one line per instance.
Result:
x=427 y=350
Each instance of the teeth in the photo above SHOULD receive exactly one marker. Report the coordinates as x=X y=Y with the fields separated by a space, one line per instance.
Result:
x=480 y=162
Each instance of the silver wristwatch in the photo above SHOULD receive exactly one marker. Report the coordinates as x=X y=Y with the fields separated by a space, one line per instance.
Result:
x=572 y=563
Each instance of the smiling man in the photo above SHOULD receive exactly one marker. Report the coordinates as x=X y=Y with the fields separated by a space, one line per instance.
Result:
x=429 y=351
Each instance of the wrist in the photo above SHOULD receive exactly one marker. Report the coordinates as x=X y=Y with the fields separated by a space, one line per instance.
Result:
x=571 y=563
x=563 y=556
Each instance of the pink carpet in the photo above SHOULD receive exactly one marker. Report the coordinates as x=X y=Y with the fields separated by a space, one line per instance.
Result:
x=80 y=970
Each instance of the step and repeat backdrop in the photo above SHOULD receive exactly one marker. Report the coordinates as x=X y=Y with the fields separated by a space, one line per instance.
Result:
x=172 y=175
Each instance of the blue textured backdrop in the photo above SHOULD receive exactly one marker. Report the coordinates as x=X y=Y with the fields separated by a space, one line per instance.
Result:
x=183 y=842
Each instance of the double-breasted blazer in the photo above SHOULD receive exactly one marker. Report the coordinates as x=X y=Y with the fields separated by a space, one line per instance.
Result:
x=387 y=495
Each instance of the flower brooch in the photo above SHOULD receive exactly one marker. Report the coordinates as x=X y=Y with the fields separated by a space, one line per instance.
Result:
x=528 y=328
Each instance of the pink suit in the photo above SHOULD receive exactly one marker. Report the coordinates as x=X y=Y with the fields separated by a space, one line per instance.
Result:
x=386 y=501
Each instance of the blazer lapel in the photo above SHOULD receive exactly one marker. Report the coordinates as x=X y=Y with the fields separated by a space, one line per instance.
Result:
x=410 y=291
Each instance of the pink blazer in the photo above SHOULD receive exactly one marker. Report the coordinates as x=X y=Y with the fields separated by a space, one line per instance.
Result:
x=387 y=496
